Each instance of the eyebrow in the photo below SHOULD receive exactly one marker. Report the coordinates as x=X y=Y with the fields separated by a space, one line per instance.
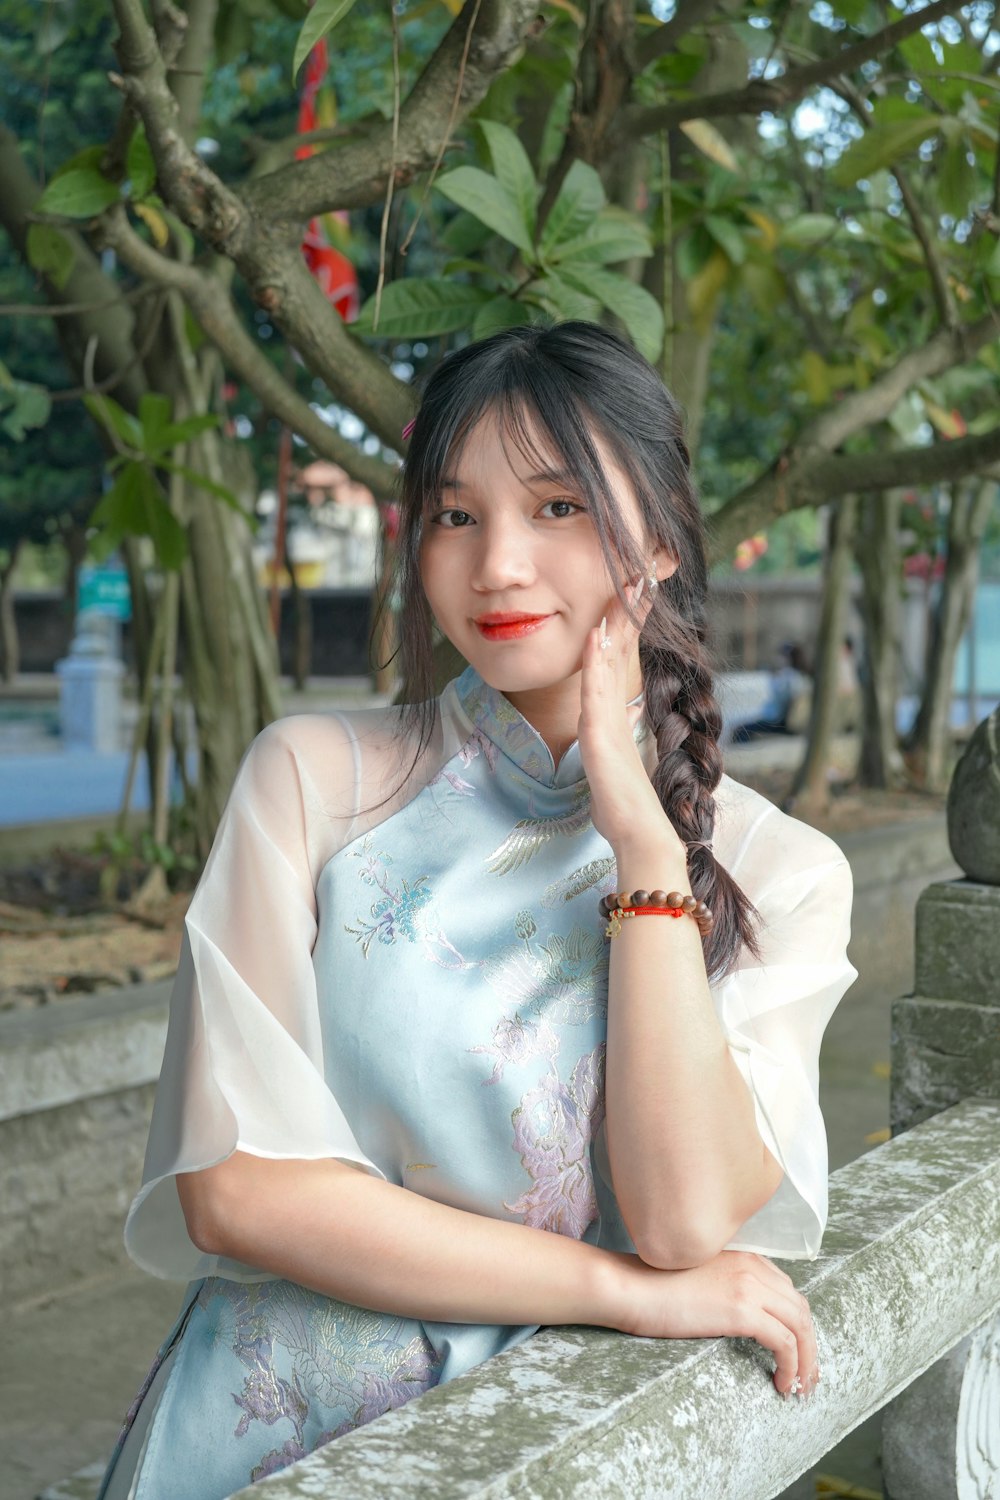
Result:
x=544 y=476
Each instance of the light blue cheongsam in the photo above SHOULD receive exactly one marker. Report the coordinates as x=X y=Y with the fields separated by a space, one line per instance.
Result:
x=420 y=989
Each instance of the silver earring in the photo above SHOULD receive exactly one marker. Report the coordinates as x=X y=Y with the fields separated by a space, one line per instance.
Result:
x=653 y=580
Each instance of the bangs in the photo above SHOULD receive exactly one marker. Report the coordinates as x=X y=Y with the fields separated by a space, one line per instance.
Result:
x=542 y=422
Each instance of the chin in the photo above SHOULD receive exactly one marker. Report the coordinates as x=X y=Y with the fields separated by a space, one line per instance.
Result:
x=521 y=677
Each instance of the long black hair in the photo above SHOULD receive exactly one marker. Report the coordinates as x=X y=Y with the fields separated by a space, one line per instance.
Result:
x=568 y=383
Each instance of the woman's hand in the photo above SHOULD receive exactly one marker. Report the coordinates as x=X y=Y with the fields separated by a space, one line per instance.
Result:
x=735 y=1295
x=622 y=795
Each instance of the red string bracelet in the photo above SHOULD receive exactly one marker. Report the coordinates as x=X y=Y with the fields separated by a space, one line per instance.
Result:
x=653 y=904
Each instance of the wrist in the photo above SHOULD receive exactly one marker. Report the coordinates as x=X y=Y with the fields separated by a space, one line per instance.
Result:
x=652 y=859
x=614 y=1290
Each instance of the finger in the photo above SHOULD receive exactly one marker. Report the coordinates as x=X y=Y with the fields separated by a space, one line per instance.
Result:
x=773 y=1334
x=793 y=1312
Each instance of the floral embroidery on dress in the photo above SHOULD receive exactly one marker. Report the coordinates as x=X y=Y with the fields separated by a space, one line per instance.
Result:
x=338 y=1358
x=554 y=1125
x=516 y=1041
x=397 y=911
x=564 y=978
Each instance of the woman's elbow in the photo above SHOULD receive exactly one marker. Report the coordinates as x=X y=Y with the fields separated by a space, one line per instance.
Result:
x=207 y=1207
x=693 y=1239
x=680 y=1251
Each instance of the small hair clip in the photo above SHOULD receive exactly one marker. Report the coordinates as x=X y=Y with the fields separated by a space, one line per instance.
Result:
x=409 y=428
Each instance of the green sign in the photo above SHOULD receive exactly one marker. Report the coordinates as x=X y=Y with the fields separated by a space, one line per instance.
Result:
x=107 y=590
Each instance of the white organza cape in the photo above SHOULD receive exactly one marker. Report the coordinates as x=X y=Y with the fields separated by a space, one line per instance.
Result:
x=243 y=1066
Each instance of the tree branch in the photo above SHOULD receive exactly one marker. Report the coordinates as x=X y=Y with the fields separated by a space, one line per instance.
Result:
x=199 y=196
x=355 y=174
x=217 y=317
x=951 y=346
x=819 y=478
x=688 y=15
x=775 y=94
x=103 y=311
x=943 y=299
x=265 y=251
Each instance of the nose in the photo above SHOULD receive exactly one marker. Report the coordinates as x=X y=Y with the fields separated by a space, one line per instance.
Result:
x=503 y=557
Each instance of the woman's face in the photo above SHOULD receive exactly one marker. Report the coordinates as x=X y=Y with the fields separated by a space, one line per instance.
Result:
x=511 y=562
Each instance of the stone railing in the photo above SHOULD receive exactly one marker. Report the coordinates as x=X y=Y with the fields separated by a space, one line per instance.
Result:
x=910 y=1265
x=905 y=1296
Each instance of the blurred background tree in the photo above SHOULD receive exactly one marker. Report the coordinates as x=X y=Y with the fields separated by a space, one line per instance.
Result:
x=794 y=211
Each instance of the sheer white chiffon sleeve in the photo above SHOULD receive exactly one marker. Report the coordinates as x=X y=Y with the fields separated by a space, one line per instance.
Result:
x=774 y=1011
x=243 y=1065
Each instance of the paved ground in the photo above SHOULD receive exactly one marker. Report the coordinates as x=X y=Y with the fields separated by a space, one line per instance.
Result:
x=73 y=1361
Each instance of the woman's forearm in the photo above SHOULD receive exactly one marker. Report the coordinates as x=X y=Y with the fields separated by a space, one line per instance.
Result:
x=366 y=1241
x=687 y=1160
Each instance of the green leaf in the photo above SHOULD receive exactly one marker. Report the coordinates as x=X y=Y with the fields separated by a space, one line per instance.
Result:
x=479 y=268
x=190 y=427
x=726 y=235
x=106 y=411
x=513 y=171
x=614 y=235
x=556 y=123
x=883 y=145
x=321 y=19
x=78 y=194
x=422 y=308
x=807 y=230
x=957 y=180
x=562 y=299
x=90 y=156
x=23 y=406
x=500 y=313
x=640 y=312
x=155 y=411
x=139 y=165
x=133 y=506
x=579 y=201
x=485 y=197
x=50 y=252
x=209 y=485
x=693 y=252
x=918 y=53
x=465 y=234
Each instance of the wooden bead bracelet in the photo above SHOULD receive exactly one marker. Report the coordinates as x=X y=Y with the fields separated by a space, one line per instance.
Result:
x=653 y=904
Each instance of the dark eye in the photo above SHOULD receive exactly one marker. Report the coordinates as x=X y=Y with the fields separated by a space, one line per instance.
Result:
x=461 y=518
x=566 y=507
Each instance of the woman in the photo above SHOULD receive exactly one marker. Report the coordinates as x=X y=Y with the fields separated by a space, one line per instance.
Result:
x=405 y=1036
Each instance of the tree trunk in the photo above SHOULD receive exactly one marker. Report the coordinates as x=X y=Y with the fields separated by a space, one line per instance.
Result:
x=929 y=741
x=301 y=624
x=880 y=565
x=10 y=646
x=810 y=789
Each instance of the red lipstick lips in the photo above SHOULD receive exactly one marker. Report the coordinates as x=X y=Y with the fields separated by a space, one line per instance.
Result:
x=508 y=627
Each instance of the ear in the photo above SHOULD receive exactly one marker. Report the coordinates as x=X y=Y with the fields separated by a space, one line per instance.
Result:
x=665 y=562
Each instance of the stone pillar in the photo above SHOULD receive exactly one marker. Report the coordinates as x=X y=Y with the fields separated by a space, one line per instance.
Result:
x=90 y=685
x=941 y=1436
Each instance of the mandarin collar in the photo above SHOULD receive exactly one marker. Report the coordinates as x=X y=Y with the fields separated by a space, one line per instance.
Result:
x=497 y=718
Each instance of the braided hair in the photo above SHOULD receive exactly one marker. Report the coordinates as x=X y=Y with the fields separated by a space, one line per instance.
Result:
x=567 y=383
